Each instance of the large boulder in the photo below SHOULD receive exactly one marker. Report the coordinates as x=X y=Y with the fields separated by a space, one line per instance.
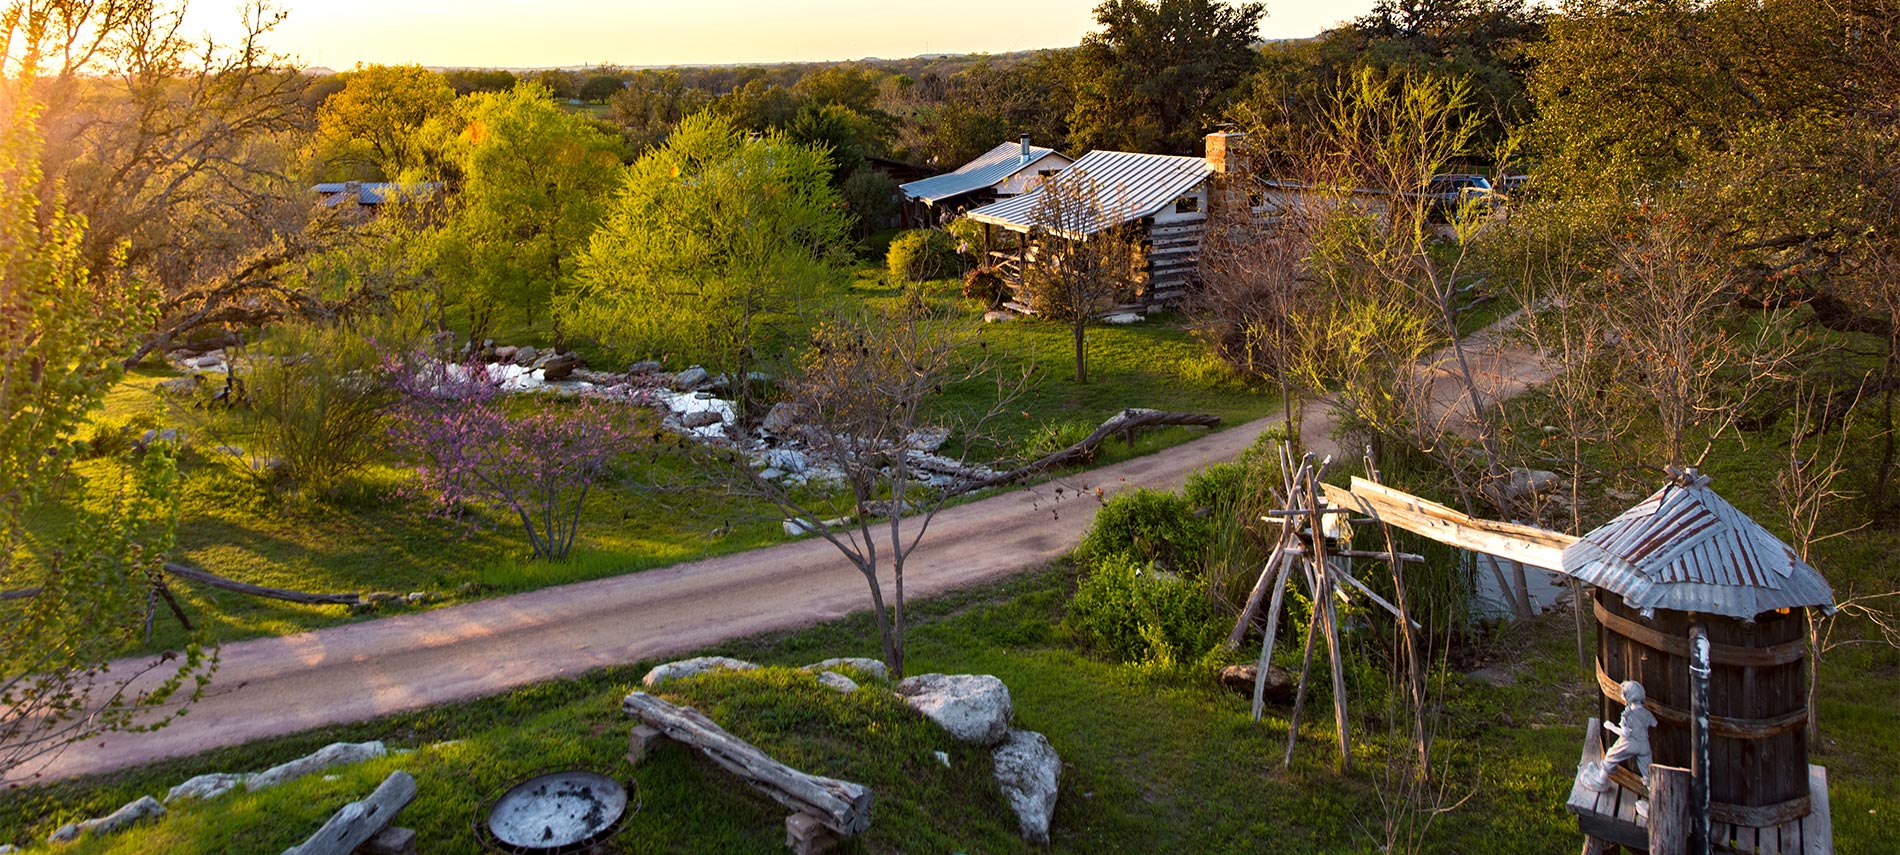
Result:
x=1280 y=686
x=781 y=418
x=146 y=807
x=689 y=667
x=690 y=379
x=974 y=708
x=1029 y=772
x=208 y=786
x=701 y=418
x=560 y=367
x=334 y=754
x=837 y=681
x=873 y=667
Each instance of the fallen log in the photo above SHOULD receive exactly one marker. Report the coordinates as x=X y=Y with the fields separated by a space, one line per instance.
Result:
x=841 y=806
x=357 y=822
x=1127 y=422
x=233 y=585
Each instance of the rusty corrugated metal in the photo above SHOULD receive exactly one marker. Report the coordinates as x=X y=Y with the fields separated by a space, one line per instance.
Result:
x=1687 y=549
x=1128 y=186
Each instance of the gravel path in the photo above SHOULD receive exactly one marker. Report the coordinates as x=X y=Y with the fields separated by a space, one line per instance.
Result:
x=273 y=686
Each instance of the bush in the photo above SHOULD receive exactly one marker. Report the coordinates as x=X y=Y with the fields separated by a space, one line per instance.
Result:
x=1150 y=526
x=985 y=286
x=921 y=254
x=1130 y=611
x=319 y=398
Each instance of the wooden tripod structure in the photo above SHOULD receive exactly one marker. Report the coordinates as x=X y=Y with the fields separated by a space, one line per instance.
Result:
x=1315 y=546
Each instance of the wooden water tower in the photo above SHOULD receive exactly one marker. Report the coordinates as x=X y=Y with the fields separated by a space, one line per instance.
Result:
x=1681 y=563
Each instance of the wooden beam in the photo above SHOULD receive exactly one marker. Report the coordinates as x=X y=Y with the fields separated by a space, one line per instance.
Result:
x=842 y=806
x=357 y=822
x=1670 y=829
x=1524 y=544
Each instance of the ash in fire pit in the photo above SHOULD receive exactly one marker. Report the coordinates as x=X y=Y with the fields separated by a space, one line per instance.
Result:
x=556 y=812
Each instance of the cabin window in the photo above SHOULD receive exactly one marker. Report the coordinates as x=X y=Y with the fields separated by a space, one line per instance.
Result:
x=1187 y=205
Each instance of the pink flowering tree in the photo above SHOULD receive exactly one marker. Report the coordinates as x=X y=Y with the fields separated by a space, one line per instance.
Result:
x=472 y=447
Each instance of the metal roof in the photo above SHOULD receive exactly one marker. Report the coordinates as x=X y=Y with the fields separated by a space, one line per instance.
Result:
x=371 y=192
x=988 y=170
x=1129 y=185
x=1687 y=549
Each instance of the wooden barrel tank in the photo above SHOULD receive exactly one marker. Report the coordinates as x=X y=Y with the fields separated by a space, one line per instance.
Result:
x=1758 y=711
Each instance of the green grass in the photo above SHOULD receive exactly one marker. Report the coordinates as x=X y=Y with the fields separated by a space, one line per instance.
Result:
x=1154 y=761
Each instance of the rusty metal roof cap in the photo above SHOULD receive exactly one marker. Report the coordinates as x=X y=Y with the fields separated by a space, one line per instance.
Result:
x=1687 y=549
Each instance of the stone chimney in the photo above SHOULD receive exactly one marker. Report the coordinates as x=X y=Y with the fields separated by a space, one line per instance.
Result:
x=1228 y=190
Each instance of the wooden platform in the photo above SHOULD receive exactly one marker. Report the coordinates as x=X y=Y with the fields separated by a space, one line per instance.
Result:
x=1612 y=818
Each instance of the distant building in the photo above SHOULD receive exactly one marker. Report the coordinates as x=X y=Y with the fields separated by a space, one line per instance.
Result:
x=369 y=194
x=1169 y=199
x=1009 y=169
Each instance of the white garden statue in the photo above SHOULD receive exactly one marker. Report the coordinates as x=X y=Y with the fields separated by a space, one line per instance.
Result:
x=1632 y=740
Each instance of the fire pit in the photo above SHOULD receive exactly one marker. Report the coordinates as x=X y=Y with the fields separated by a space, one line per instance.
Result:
x=555 y=813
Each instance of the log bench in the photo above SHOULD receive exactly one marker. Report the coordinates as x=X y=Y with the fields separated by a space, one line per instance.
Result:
x=824 y=810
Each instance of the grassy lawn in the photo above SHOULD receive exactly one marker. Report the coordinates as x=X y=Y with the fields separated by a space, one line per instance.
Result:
x=370 y=536
x=1154 y=761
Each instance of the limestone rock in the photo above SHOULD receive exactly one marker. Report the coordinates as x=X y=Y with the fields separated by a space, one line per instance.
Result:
x=560 y=367
x=1123 y=318
x=526 y=355
x=973 y=708
x=1280 y=686
x=146 y=807
x=689 y=667
x=781 y=418
x=334 y=754
x=928 y=440
x=835 y=680
x=1029 y=773
x=207 y=786
x=506 y=353
x=701 y=418
x=645 y=367
x=872 y=667
x=691 y=378
x=997 y=317
x=181 y=385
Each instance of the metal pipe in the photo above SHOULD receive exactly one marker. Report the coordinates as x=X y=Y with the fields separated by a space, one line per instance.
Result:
x=1699 y=737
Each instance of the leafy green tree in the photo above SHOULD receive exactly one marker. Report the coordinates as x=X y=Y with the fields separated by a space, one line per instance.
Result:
x=528 y=184
x=759 y=105
x=63 y=329
x=597 y=88
x=1160 y=72
x=368 y=129
x=467 y=80
x=712 y=240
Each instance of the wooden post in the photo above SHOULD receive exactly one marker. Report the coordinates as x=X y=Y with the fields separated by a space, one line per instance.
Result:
x=641 y=743
x=1699 y=735
x=1306 y=669
x=1324 y=600
x=1670 y=792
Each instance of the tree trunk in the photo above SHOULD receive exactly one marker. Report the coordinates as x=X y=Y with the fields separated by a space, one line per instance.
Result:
x=1081 y=361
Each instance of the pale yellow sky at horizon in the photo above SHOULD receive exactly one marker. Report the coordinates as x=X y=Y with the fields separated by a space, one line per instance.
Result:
x=545 y=33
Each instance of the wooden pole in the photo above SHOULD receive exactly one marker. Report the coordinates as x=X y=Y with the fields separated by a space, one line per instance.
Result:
x=1306 y=669
x=1273 y=628
x=1415 y=673
x=1334 y=654
x=1699 y=735
x=1669 y=796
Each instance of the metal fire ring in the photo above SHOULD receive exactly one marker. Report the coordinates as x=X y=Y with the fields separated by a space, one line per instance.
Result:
x=557 y=812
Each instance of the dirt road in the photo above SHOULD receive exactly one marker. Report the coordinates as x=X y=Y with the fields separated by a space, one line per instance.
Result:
x=273 y=686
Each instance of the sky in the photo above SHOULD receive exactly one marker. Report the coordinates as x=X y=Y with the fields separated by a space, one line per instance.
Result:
x=339 y=34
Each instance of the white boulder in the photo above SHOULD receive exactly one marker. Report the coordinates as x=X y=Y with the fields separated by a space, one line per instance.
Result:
x=146 y=807
x=207 y=786
x=1029 y=772
x=873 y=667
x=689 y=667
x=973 y=708
x=334 y=754
x=835 y=680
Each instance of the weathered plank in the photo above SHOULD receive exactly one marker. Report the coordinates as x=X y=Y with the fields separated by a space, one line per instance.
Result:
x=1521 y=543
x=842 y=806
x=1817 y=828
x=357 y=822
x=1669 y=798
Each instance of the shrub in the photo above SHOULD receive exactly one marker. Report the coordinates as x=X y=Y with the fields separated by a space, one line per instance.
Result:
x=921 y=254
x=1130 y=611
x=1149 y=526
x=319 y=399
x=985 y=286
